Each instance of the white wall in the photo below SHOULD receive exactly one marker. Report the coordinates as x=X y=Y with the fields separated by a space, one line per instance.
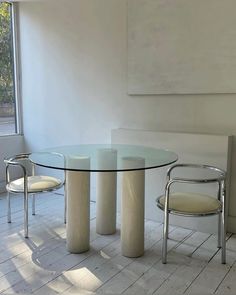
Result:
x=74 y=59
x=71 y=77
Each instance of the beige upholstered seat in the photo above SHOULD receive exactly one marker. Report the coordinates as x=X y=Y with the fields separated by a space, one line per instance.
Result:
x=35 y=184
x=194 y=204
x=191 y=203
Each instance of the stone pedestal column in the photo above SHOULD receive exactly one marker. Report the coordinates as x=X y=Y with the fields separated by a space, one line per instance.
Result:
x=106 y=192
x=132 y=208
x=78 y=207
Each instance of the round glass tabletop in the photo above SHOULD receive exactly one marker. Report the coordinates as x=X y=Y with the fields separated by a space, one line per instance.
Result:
x=103 y=157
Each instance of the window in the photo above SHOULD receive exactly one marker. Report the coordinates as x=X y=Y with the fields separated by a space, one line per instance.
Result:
x=9 y=123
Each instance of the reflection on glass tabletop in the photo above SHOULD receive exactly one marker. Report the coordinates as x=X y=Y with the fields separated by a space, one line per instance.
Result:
x=103 y=157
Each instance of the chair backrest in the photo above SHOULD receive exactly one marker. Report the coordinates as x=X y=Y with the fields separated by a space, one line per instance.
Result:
x=20 y=161
x=213 y=174
x=195 y=174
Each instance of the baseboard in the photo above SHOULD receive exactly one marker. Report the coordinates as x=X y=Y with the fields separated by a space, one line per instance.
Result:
x=231 y=224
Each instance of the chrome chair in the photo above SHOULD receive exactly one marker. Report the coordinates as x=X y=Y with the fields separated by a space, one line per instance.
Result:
x=194 y=204
x=33 y=184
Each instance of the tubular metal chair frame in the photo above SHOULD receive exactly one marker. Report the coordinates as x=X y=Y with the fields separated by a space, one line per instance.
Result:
x=221 y=179
x=15 y=161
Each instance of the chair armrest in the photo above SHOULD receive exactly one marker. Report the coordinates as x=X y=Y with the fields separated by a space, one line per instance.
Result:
x=11 y=162
x=197 y=180
x=222 y=173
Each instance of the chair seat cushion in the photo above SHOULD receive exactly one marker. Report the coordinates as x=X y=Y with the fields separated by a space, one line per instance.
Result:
x=192 y=203
x=35 y=184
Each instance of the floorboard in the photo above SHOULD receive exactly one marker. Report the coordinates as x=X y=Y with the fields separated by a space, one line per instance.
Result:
x=41 y=264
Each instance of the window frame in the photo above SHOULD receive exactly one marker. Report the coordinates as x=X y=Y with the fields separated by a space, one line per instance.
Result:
x=16 y=69
x=17 y=77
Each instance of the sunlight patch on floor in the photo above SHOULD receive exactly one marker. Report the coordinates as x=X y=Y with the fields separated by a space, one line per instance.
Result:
x=83 y=278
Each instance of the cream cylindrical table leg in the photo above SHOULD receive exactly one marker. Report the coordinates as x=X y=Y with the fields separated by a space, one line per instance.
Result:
x=78 y=210
x=132 y=208
x=106 y=192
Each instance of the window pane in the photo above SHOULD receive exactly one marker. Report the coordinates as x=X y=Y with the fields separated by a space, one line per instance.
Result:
x=7 y=87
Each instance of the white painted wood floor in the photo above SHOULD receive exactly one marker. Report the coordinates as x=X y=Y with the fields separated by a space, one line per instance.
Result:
x=42 y=265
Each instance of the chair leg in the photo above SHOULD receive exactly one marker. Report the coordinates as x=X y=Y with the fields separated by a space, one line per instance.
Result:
x=165 y=237
x=33 y=204
x=26 y=205
x=223 y=240
x=8 y=208
x=65 y=206
x=223 y=225
x=219 y=231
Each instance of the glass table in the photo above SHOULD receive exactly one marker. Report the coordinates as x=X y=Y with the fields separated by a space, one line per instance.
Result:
x=78 y=161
